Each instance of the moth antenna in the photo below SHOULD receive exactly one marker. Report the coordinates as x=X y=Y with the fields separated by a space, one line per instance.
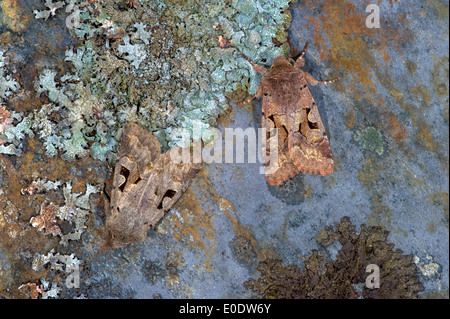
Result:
x=302 y=54
x=257 y=67
x=329 y=81
x=311 y=80
x=246 y=101
x=257 y=95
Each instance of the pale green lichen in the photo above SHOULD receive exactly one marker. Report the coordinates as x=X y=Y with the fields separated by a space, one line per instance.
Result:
x=41 y=185
x=10 y=136
x=74 y=143
x=56 y=261
x=45 y=290
x=160 y=65
x=50 y=11
x=371 y=139
x=53 y=292
x=427 y=267
x=47 y=84
x=15 y=133
x=52 y=144
x=7 y=84
x=41 y=122
x=135 y=53
x=75 y=210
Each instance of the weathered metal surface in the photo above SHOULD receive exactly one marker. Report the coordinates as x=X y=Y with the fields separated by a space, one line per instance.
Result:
x=387 y=121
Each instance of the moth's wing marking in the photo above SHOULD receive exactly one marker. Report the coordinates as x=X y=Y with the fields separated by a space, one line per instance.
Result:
x=166 y=182
x=138 y=148
x=283 y=169
x=146 y=184
x=309 y=147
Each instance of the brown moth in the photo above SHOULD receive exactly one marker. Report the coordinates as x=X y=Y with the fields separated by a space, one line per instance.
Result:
x=289 y=107
x=146 y=184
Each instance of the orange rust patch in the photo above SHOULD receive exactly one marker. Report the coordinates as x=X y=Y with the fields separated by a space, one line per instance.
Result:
x=13 y=15
x=340 y=33
x=422 y=95
x=196 y=226
x=227 y=207
x=5 y=37
x=341 y=37
x=350 y=120
x=396 y=129
x=241 y=231
x=226 y=117
x=17 y=235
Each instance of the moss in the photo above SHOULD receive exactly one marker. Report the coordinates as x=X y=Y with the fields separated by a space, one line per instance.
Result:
x=340 y=278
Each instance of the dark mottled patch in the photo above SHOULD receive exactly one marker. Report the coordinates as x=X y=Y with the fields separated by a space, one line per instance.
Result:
x=440 y=77
x=153 y=271
x=412 y=67
x=342 y=277
x=107 y=289
x=243 y=251
x=441 y=200
x=291 y=192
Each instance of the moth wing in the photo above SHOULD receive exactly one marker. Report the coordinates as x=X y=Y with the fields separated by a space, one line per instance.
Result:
x=309 y=147
x=283 y=168
x=138 y=149
x=146 y=184
x=164 y=185
x=139 y=145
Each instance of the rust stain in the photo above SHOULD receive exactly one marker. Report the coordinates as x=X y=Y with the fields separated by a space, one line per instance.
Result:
x=350 y=120
x=194 y=225
x=340 y=34
x=368 y=175
x=344 y=41
x=17 y=236
x=240 y=231
x=422 y=95
x=13 y=15
x=396 y=129
x=380 y=213
x=309 y=191
x=440 y=7
x=439 y=78
x=5 y=37
x=424 y=136
x=226 y=117
x=197 y=228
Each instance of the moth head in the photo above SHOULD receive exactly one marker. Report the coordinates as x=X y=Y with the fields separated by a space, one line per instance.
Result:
x=300 y=62
x=280 y=61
